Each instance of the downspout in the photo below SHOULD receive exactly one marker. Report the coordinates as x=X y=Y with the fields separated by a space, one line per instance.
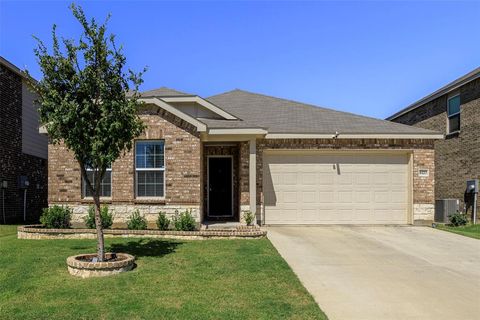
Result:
x=25 y=205
x=3 y=204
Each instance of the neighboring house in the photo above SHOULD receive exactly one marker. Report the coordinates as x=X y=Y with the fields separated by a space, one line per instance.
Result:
x=455 y=111
x=23 y=151
x=288 y=162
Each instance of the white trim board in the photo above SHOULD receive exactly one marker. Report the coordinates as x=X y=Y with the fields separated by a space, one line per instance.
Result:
x=210 y=106
x=237 y=131
x=201 y=127
x=352 y=136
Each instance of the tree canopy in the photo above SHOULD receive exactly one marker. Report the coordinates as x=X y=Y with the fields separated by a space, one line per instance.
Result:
x=88 y=101
x=83 y=100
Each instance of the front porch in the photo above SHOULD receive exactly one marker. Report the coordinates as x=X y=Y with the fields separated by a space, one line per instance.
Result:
x=227 y=172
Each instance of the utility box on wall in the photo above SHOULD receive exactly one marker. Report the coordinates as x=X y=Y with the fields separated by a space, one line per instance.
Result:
x=444 y=208
x=472 y=186
x=23 y=182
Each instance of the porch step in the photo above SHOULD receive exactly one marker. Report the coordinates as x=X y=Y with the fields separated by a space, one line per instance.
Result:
x=215 y=225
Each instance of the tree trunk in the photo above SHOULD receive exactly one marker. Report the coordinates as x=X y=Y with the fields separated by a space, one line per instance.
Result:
x=96 y=199
x=99 y=228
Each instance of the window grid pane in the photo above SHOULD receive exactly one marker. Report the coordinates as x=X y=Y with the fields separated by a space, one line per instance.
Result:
x=454 y=123
x=150 y=183
x=453 y=105
x=105 y=184
x=150 y=165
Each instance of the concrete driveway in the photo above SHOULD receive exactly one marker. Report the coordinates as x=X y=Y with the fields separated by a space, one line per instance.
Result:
x=385 y=272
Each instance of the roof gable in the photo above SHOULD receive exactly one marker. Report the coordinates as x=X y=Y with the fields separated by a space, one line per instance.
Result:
x=454 y=85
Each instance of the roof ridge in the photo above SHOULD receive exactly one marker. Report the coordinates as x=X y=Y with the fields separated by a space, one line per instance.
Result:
x=169 y=89
x=222 y=93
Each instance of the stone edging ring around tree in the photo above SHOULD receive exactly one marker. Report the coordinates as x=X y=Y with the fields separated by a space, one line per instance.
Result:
x=82 y=266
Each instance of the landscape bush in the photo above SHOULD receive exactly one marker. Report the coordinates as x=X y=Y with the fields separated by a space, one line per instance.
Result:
x=458 y=219
x=184 y=221
x=136 y=221
x=249 y=217
x=105 y=215
x=163 y=223
x=56 y=217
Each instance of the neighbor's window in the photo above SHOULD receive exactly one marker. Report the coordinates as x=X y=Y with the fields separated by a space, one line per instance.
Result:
x=150 y=168
x=453 y=113
x=105 y=184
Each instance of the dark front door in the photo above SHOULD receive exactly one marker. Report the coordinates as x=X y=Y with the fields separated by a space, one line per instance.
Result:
x=220 y=187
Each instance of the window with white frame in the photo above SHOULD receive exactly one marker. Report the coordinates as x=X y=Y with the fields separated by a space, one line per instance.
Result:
x=150 y=168
x=105 y=184
x=453 y=114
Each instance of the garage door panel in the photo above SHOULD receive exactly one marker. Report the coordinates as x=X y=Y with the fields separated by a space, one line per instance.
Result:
x=325 y=197
x=307 y=178
x=331 y=188
x=324 y=178
x=381 y=178
x=361 y=178
x=309 y=197
x=345 y=197
x=363 y=197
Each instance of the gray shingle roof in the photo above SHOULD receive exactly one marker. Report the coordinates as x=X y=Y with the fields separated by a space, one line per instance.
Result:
x=286 y=116
x=164 y=92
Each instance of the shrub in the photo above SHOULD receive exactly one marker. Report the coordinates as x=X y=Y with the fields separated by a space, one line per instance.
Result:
x=163 y=223
x=184 y=221
x=136 y=221
x=249 y=217
x=56 y=217
x=458 y=219
x=105 y=215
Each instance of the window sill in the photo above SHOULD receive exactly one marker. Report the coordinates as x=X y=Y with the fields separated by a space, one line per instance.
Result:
x=102 y=200
x=150 y=201
x=452 y=134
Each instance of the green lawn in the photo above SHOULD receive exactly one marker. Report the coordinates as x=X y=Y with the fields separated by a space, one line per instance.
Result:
x=472 y=231
x=211 y=279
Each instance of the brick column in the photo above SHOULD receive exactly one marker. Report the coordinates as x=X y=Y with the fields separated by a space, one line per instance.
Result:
x=252 y=164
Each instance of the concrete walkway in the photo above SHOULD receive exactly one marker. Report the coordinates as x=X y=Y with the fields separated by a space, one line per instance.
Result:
x=385 y=272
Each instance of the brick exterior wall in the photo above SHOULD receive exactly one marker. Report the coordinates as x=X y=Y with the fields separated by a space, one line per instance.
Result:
x=457 y=157
x=423 y=157
x=14 y=163
x=182 y=173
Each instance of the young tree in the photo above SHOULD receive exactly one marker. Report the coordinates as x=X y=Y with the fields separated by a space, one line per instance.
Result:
x=83 y=102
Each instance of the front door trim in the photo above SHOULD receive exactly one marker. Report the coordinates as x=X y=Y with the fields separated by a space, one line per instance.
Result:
x=208 y=186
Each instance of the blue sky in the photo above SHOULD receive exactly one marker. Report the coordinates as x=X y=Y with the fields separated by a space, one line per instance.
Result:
x=370 y=58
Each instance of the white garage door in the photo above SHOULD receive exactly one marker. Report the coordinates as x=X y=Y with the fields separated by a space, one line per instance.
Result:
x=327 y=188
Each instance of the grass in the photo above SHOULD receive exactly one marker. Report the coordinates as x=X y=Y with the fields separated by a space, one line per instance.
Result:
x=211 y=279
x=472 y=230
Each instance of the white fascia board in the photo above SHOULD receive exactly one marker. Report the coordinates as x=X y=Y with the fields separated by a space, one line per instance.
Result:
x=255 y=131
x=202 y=102
x=353 y=136
x=201 y=127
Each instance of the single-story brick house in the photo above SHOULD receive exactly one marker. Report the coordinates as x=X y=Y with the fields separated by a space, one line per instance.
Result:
x=288 y=162
x=454 y=110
